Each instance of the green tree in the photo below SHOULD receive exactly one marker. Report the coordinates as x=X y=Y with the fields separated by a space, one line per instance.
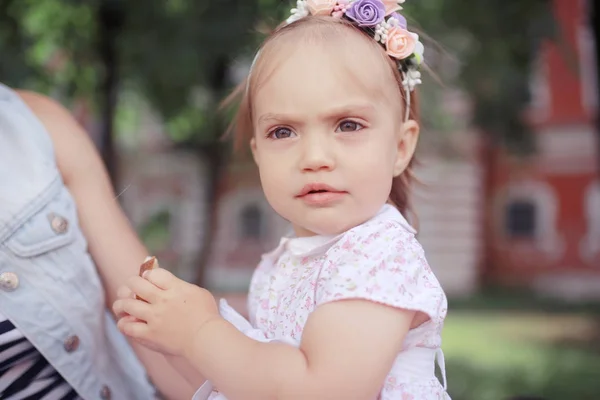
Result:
x=497 y=45
x=169 y=50
x=165 y=50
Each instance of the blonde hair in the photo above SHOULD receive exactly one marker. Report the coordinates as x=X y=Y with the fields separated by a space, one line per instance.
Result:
x=242 y=125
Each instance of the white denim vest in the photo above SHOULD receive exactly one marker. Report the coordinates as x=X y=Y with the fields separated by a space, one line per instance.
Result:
x=49 y=287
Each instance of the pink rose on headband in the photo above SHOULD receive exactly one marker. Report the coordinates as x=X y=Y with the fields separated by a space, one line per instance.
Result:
x=321 y=7
x=391 y=6
x=400 y=43
x=367 y=12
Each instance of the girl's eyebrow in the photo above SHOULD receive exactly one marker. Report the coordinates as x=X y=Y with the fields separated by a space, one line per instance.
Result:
x=349 y=109
x=274 y=117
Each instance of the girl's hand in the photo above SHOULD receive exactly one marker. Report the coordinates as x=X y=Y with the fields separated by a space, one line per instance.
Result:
x=172 y=315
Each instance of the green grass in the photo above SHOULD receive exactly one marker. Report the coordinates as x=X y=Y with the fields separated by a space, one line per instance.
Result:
x=495 y=355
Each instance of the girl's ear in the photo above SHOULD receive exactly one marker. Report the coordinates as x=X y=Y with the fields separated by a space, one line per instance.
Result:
x=407 y=139
x=253 y=148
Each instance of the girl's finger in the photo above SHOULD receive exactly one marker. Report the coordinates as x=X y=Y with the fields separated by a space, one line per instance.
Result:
x=133 y=328
x=161 y=278
x=144 y=289
x=124 y=292
x=134 y=308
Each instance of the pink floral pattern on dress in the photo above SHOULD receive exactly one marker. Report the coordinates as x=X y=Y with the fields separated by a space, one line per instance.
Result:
x=380 y=261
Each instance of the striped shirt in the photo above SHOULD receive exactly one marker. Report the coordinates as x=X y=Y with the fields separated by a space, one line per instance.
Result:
x=24 y=372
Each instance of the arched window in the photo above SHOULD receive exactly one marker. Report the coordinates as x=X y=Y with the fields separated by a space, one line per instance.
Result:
x=592 y=206
x=590 y=245
x=520 y=219
x=529 y=210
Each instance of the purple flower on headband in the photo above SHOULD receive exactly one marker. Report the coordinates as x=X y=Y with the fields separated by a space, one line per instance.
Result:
x=367 y=12
x=401 y=20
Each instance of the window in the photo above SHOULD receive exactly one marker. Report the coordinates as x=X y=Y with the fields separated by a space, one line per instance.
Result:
x=591 y=244
x=520 y=219
x=587 y=66
x=251 y=222
x=528 y=210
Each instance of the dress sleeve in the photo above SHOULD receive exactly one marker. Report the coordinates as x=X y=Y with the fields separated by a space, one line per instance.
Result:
x=383 y=263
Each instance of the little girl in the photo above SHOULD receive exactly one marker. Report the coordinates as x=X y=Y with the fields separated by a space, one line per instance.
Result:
x=347 y=307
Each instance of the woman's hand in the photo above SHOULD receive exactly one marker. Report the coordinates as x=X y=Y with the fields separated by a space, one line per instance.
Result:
x=171 y=316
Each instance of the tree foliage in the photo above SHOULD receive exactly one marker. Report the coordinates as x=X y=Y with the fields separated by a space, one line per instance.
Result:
x=39 y=41
x=176 y=53
x=496 y=45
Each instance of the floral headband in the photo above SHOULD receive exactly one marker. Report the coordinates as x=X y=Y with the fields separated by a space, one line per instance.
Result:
x=381 y=20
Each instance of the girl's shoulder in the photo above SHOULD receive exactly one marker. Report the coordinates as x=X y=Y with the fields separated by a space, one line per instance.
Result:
x=382 y=261
x=387 y=227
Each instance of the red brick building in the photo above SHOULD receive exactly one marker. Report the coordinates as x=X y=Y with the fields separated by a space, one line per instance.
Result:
x=536 y=224
x=544 y=215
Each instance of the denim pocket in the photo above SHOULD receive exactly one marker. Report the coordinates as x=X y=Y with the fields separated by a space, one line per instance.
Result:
x=47 y=230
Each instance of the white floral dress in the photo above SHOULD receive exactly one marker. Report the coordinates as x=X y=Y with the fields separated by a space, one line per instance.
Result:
x=380 y=261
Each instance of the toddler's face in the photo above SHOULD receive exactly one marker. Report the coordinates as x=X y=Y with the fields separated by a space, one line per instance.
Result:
x=329 y=138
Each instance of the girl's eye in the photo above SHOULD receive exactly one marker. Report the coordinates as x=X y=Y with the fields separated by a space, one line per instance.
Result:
x=349 y=126
x=280 y=133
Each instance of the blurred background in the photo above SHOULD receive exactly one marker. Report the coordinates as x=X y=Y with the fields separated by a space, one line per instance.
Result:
x=509 y=205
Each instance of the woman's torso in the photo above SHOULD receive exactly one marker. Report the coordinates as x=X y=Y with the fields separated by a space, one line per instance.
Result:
x=24 y=372
x=49 y=288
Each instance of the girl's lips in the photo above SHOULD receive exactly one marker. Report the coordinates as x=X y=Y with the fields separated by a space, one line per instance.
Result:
x=322 y=198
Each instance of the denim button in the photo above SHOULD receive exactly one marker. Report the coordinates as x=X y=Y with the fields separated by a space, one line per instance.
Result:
x=105 y=393
x=71 y=343
x=59 y=224
x=9 y=281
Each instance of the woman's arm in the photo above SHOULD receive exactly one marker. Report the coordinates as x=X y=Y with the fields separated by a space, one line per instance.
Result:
x=113 y=243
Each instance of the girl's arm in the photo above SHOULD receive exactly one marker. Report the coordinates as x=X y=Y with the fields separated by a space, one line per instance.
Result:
x=113 y=244
x=347 y=348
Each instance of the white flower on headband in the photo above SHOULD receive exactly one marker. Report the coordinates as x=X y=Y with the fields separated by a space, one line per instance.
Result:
x=381 y=30
x=299 y=12
x=340 y=8
x=412 y=78
x=419 y=49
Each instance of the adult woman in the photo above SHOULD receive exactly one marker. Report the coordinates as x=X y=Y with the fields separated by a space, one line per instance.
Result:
x=57 y=341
